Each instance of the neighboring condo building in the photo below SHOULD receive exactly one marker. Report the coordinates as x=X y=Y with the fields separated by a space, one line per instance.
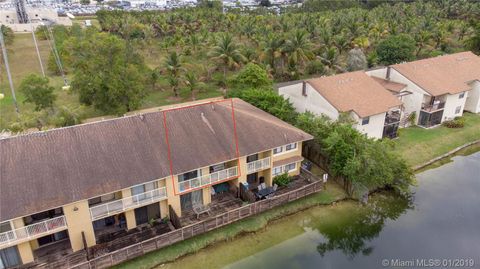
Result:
x=383 y=99
x=376 y=111
x=70 y=184
x=441 y=87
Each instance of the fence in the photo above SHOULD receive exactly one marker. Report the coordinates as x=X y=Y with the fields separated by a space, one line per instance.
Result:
x=189 y=231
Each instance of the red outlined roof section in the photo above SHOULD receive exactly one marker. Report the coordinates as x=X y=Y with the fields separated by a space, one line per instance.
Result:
x=200 y=135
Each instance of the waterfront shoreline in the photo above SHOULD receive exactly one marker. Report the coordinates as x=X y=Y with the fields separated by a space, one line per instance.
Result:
x=452 y=153
x=262 y=221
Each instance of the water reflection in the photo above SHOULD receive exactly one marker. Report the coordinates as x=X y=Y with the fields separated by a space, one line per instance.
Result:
x=442 y=222
x=352 y=233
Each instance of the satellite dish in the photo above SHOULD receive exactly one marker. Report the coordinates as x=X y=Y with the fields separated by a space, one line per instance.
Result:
x=70 y=15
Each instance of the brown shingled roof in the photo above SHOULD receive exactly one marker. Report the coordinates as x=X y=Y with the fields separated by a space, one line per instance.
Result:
x=49 y=169
x=443 y=74
x=390 y=85
x=355 y=91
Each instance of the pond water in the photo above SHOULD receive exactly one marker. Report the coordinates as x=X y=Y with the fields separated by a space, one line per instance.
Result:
x=440 y=221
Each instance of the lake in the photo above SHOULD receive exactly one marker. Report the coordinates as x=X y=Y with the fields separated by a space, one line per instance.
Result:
x=439 y=223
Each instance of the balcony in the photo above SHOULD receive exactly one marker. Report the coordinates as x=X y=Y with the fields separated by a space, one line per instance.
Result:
x=437 y=105
x=118 y=206
x=392 y=117
x=33 y=231
x=209 y=179
x=258 y=165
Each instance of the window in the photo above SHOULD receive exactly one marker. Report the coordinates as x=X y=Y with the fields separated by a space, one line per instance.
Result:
x=9 y=257
x=189 y=175
x=458 y=109
x=288 y=147
x=277 y=170
x=5 y=226
x=291 y=146
x=365 y=121
x=290 y=167
x=461 y=95
x=277 y=150
x=144 y=188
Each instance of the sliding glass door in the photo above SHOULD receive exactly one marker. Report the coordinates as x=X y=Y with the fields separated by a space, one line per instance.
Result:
x=9 y=257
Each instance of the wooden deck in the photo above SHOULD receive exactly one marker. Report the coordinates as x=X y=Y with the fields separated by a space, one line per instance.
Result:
x=221 y=203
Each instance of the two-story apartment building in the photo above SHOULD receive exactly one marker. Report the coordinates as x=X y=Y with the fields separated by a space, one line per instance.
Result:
x=375 y=110
x=440 y=88
x=67 y=185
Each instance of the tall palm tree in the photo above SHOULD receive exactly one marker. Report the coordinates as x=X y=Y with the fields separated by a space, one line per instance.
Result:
x=227 y=53
x=272 y=50
x=174 y=68
x=473 y=43
x=298 y=48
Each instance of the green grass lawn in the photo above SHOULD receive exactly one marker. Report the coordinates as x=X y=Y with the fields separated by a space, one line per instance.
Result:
x=418 y=145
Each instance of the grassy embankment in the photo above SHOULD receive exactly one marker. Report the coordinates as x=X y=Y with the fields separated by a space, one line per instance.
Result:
x=333 y=193
x=418 y=145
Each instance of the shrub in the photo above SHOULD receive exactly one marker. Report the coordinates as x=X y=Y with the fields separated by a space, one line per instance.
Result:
x=66 y=117
x=458 y=122
x=282 y=180
x=315 y=68
x=251 y=76
x=396 y=49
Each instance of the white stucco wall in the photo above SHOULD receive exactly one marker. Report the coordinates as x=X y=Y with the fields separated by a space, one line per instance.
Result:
x=374 y=128
x=472 y=103
x=412 y=102
x=379 y=72
x=313 y=102
x=452 y=102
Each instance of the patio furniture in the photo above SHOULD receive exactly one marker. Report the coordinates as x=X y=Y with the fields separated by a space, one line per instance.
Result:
x=263 y=193
x=200 y=209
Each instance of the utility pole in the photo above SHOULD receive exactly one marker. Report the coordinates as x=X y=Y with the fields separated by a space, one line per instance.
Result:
x=9 y=75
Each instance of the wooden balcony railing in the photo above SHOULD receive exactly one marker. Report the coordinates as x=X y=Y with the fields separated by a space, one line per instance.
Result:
x=209 y=179
x=118 y=206
x=33 y=231
x=258 y=165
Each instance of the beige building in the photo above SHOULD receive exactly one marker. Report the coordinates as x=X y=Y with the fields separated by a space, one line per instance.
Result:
x=37 y=16
x=376 y=111
x=439 y=88
x=67 y=186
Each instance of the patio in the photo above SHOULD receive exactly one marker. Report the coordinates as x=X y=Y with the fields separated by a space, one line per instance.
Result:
x=221 y=203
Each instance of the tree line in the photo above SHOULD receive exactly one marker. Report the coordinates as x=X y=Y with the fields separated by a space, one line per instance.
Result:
x=113 y=68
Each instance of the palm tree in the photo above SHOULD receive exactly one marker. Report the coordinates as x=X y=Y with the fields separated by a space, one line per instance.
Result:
x=421 y=40
x=473 y=43
x=174 y=67
x=227 y=53
x=298 y=48
x=192 y=82
x=272 y=50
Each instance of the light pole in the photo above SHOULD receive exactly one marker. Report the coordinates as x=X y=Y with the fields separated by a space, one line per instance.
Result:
x=9 y=75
